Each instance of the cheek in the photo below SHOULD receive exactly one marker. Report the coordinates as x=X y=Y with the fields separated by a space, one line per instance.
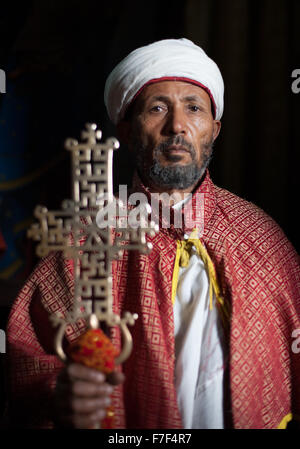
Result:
x=203 y=131
x=203 y=136
x=146 y=136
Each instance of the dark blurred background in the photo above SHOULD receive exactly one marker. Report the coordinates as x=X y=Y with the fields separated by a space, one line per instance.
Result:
x=56 y=56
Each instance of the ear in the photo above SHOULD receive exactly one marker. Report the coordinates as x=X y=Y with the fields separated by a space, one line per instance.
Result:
x=124 y=131
x=216 y=129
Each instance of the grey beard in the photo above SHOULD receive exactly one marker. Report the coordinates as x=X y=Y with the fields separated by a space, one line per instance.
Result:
x=178 y=176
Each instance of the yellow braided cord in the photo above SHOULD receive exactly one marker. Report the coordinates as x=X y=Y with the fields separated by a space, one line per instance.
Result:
x=211 y=273
x=176 y=271
x=185 y=250
x=285 y=420
x=182 y=258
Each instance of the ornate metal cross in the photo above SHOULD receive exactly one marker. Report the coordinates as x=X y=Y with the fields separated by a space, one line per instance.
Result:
x=75 y=232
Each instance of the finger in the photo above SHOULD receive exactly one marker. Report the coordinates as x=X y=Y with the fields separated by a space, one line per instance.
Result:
x=84 y=421
x=88 y=421
x=90 y=405
x=88 y=389
x=77 y=371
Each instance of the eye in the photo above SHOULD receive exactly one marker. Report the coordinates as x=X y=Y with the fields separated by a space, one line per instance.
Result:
x=194 y=108
x=158 y=108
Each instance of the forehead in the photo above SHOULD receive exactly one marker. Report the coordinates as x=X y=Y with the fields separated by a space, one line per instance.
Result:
x=172 y=90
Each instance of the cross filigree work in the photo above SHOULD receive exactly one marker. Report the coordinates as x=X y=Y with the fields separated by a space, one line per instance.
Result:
x=74 y=231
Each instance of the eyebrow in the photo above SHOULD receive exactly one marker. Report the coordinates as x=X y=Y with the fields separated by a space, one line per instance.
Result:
x=193 y=98
x=166 y=99
x=159 y=98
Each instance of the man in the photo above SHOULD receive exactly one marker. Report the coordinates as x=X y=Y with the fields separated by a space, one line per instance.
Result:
x=218 y=298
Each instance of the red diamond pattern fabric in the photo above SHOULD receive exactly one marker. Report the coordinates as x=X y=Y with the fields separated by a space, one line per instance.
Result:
x=259 y=275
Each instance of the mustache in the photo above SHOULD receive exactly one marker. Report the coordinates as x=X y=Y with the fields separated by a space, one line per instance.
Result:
x=175 y=140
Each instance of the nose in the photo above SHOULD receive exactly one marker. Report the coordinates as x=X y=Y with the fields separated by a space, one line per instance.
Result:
x=175 y=122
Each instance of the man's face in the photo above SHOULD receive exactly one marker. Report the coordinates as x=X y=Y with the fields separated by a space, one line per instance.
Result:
x=171 y=133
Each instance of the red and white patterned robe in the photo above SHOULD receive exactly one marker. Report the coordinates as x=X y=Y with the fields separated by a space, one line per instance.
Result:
x=259 y=276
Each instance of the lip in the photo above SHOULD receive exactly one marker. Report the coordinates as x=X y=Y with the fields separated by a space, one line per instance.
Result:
x=176 y=149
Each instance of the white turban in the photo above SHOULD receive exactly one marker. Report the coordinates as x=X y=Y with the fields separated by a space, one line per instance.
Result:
x=178 y=59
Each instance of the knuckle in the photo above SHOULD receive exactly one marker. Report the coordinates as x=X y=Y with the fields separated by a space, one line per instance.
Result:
x=104 y=390
x=103 y=403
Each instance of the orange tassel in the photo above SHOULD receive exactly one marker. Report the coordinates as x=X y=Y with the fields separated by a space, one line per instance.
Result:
x=95 y=350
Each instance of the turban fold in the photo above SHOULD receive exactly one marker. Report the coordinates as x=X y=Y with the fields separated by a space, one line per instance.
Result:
x=169 y=59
